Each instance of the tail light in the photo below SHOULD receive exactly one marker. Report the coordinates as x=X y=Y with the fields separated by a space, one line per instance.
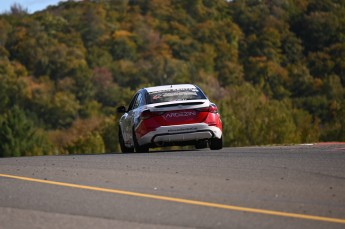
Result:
x=146 y=114
x=212 y=109
x=212 y=117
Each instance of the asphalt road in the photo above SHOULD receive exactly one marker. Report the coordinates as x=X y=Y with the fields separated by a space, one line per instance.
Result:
x=250 y=187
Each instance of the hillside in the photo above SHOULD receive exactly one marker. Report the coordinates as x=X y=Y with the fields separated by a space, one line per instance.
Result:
x=276 y=69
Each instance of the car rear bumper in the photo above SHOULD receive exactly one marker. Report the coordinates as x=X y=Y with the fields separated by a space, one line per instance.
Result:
x=166 y=135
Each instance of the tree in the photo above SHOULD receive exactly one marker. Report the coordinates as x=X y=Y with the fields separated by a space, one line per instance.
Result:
x=12 y=84
x=18 y=135
x=18 y=10
x=63 y=110
x=123 y=46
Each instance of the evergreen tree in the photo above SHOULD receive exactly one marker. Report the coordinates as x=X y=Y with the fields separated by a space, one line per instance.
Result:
x=18 y=135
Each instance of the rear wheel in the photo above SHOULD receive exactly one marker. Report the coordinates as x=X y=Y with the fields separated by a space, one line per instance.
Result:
x=137 y=147
x=123 y=147
x=216 y=143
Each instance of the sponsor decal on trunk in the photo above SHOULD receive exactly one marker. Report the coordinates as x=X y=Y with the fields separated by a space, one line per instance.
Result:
x=173 y=115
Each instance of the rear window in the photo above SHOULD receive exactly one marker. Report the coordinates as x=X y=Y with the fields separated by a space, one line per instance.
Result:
x=176 y=95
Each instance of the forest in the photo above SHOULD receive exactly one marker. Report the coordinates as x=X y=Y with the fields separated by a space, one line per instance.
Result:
x=275 y=68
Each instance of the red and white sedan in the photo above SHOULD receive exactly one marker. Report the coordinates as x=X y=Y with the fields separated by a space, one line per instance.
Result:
x=167 y=116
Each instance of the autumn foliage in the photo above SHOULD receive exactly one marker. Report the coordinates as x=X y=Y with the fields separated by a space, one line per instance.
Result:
x=276 y=69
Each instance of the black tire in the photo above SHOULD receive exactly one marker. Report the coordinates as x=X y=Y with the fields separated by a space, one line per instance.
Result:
x=216 y=143
x=124 y=149
x=137 y=147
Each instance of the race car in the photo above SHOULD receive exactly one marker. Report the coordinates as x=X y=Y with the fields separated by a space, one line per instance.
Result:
x=169 y=115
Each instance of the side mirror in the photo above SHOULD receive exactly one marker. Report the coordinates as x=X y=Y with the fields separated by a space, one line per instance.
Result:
x=121 y=109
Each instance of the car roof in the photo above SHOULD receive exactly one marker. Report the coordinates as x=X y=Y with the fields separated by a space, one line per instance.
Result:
x=170 y=87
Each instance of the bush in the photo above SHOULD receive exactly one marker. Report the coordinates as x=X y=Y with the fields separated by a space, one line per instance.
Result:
x=92 y=143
